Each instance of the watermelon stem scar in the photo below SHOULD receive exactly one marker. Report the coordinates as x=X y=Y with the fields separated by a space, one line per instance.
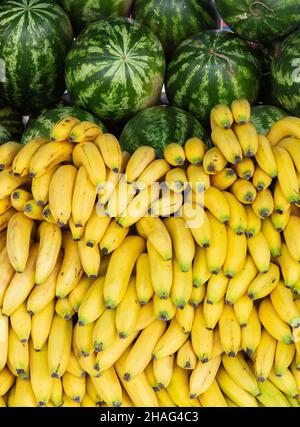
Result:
x=220 y=55
x=262 y=4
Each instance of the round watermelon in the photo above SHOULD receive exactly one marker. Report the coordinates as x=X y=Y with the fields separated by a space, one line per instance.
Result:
x=264 y=116
x=260 y=21
x=158 y=126
x=12 y=120
x=174 y=20
x=34 y=38
x=115 y=68
x=211 y=68
x=285 y=80
x=83 y=12
x=42 y=124
x=4 y=135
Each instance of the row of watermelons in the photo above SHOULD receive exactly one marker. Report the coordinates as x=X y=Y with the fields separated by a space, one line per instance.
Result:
x=116 y=67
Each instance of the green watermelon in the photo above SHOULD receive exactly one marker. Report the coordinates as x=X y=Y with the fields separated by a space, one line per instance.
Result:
x=43 y=124
x=211 y=68
x=174 y=20
x=115 y=68
x=12 y=120
x=264 y=116
x=285 y=80
x=4 y=135
x=83 y=12
x=158 y=126
x=34 y=38
x=260 y=21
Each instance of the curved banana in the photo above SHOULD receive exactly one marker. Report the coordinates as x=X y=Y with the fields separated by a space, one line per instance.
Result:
x=264 y=356
x=224 y=179
x=64 y=309
x=40 y=378
x=201 y=337
x=163 y=309
x=214 y=162
x=40 y=187
x=241 y=111
x=9 y=182
x=287 y=176
x=48 y=156
x=221 y=115
x=242 y=309
x=273 y=237
x=228 y=144
x=186 y=357
x=88 y=154
x=264 y=283
x=203 y=376
x=245 y=169
x=288 y=126
x=110 y=150
x=236 y=253
x=259 y=250
x=273 y=323
x=21 y=162
x=174 y=154
x=161 y=272
x=18 y=199
x=59 y=346
x=90 y=259
x=104 y=331
x=244 y=191
x=108 y=386
x=178 y=388
x=291 y=230
x=127 y=311
x=197 y=221
x=92 y=304
x=216 y=287
x=73 y=386
x=84 y=131
x=153 y=172
x=238 y=215
x=40 y=326
x=144 y=288
x=18 y=356
x=138 y=162
x=61 y=130
x=261 y=180
x=283 y=303
x=217 y=204
x=236 y=393
x=238 y=285
x=172 y=339
x=216 y=252
x=83 y=199
x=163 y=371
x=247 y=137
x=230 y=331
x=238 y=369
x=21 y=323
x=8 y=152
x=284 y=356
x=195 y=149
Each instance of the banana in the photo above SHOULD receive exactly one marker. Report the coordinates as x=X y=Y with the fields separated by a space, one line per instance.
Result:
x=198 y=179
x=285 y=383
x=265 y=157
x=61 y=130
x=203 y=376
x=95 y=227
x=186 y=357
x=241 y=111
x=120 y=198
x=173 y=338
x=284 y=356
x=236 y=253
x=59 y=346
x=295 y=372
x=71 y=269
x=216 y=252
x=253 y=222
x=110 y=150
x=217 y=204
x=104 y=331
x=197 y=296
x=90 y=259
x=213 y=397
x=273 y=323
x=281 y=204
x=44 y=293
x=264 y=356
x=228 y=144
x=163 y=309
x=49 y=247
x=145 y=317
x=291 y=230
x=236 y=393
x=108 y=386
x=287 y=126
x=7 y=380
x=264 y=283
x=263 y=205
x=224 y=179
x=48 y=156
x=40 y=187
x=212 y=313
x=83 y=199
x=176 y=180
x=174 y=154
x=183 y=242
x=73 y=386
x=20 y=285
x=185 y=318
x=106 y=190
x=88 y=155
x=292 y=146
x=270 y=396
x=47 y=215
x=238 y=286
x=216 y=287
x=251 y=333
x=163 y=371
x=40 y=378
x=141 y=352
x=197 y=221
x=24 y=396
x=245 y=169
x=259 y=250
x=92 y=304
x=153 y=172
x=5 y=331
x=3 y=239
x=77 y=294
x=87 y=402
x=273 y=237
x=214 y=162
x=61 y=192
x=244 y=191
x=247 y=137
x=57 y=392
x=201 y=337
x=127 y=311
x=179 y=388
x=182 y=286
x=21 y=323
x=33 y=210
x=8 y=152
x=68 y=403
x=169 y=203
x=138 y=162
x=287 y=176
x=82 y=335
x=242 y=309
x=161 y=272
x=84 y=131
x=151 y=378
x=21 y=161
x=18 y=199
x=18 y=356
x=230 y=331
x=195 y=149
x=40 y=326
x=144 y=288
x=156 y=231
x=238 y=215
x=5 y=204
x=280 y=221
x=221 y=115
x=239 y=371
x=64 y=309
x=164 y=399
x=201 y=272
x=261 y=180
x=283 y=303
x=113 y=237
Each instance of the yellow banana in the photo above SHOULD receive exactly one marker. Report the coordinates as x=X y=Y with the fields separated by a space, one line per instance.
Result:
x=127 y=311
x=18 y=356
x=247 y=137
x=122 y=195
x=288 y=126
x=5 y=204
x=83 y=199
x=168 y=204
x=19 y=197
x=163 y=309
x=284 y=356
x=287 y=176
x=59 y=346
x=201 y=337
x=4 y=329
x=272 y=236
x=145 y=317
x=264 y=356
x=283 y=303
x=153 y=172
x=33 y=210
x=221 y=115
x=244 y=191
x=264 y=283
x=236 y=253
x=280 y=221
x=47 y=215
x=89 y=156
x=273 y=323
x=216 y=252
x=242 y=309
x=64 y=309
x=21 y=323
x=203 y=376
x=61 y=130
x=163 y=371
x=57 y=392
x=197 y=296
x=228 y=144
x=84 y=131
x=95 y=227
x=217 y=204
x=216 y=287
x=144 y=288
x=138 y=162
x=238 y=286
x=238 y=215
x=161 y=272
x=245 y=169
x=9 y=182
x=8 y=151
x=285 y=383
x=178 y=388
x=197 y=221
x=87 y=402
x=263 y=205
x=281 y=204
x=73 y=386
x=104 y=331
x=108 y=386
x=183 y=242
x=174 y=154
x=182 y=286
x=291 y=230
x=197 y=178
x=89 y=258
x=170 y=341
x=21 y=162
x=186 y=357
x=24 y=396
x=110 y=150
x=7 y=380
x=40 y=187
x=185 y=318
x=261 y=180
x=48 y=156
x=212 y=313
x=77 y=294
x=113 y=237
x=236 y=393
x=176 y=180
x=292 y=146
x=238 y=369
x=201 y=272
x=253 y=222
x=271 y=396
x=92 y=305
x=40 y=378
x=259 y=250
x=195 y=149
x=265 y=157
x=40 y=326
x=213 y=397
x=241 y=111
x=214 y=162
x=154 y=230
x=230 y=331
x=251 y=333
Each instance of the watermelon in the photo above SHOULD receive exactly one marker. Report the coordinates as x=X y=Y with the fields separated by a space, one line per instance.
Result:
x=264 y=116
x=210 y=68
x=174 y=20
x=4 y=135
x=115 y=68
x=34 y=38
x=12 y=120
x=158 y=126
x=285 y=79
x=42 y=124
x=83 y=12
x=260 y=21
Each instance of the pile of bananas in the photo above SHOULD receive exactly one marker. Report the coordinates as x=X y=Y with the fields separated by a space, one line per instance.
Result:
x=136 y=281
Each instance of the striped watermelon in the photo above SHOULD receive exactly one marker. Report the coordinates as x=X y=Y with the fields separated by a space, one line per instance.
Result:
x=174 y=20
x=264 y=116
x=4 y=135
x=34 y=38
x=83 y=12
x=43 y=124
x=158 y=126
x=260 y=21
x=285 y=80
x=12 y=120
x=115 y=68
x=211 y=68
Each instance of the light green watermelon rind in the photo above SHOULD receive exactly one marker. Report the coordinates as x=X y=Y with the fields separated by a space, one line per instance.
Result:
x=42 y=125
x=12 y=120
x=210 y=68
x=285 y=79
x=270 y=20
x=159 y=126
x=4 y=135
x=264 y=116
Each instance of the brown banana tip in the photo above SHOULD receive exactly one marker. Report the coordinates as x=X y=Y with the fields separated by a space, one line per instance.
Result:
x=237 y=160
x=16 y=195
x=24 y=340
x=156 y=389
x=251 y=296
x=104 y=251
x=28 y=208
x=76 y=399
x=211 y=168
x=161 y=386
x=17 y=174
x=2 y=167
x=231 y=354
x=226 y=222
x=193 y=396
x=116 y=170
x=67 y=317
x=84 y=353
x=247 y=176
x=264 y=213
x=122 y=335
x=261 y=379
x=93 y=276
x=228 y=302
x=126 y=377
x=54 y=375
x=78 y=225
x=20 y=371
x=205 y=245
x=204 y=359
x=117 y=404
x=279 y=211
x=187 y=365
x=249 y=352
x=209 y=302
x=90 y=244
x=229 y=275
x=41 y=404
